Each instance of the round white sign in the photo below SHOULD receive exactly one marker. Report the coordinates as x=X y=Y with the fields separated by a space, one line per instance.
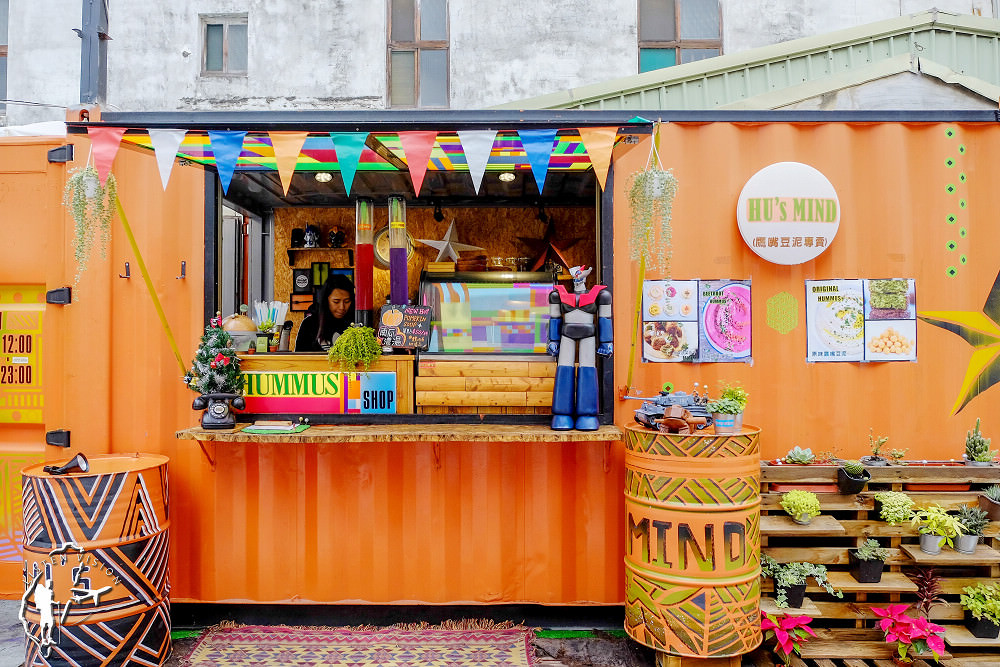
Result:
x=788 y=213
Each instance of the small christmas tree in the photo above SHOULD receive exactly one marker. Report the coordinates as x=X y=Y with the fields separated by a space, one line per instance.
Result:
x=216 y=368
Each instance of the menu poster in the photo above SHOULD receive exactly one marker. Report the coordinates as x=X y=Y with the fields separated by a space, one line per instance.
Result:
x=405 y=326
x=695 y=320
x=21 y=389
x=890 y=320
x=861 y=320
x=725 y=321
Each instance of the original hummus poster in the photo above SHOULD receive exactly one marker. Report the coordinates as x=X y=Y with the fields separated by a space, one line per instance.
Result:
x=861 y=320
x=695 y=320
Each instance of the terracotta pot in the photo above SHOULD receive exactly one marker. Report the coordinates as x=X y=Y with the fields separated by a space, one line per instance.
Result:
x=990 y=507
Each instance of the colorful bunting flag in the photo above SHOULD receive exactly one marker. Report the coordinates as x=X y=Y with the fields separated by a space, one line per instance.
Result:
x=348 y=146
x=599 y=142
x=538 y=147
x=418 y=147
x=226 y=146
x=165 y=145
x=104 y=142
x=287 y=146
x=477 y=145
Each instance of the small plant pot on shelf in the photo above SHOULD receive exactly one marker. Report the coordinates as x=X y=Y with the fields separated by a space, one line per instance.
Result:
x=978 y=464
x=802 y=519
x=727 y=424
x=865 y=571
x=981 y=627
x=990 y=507
x=966 y=544
x=931 y=544
x=848 y=485
x=874 y=461
x=795 y=595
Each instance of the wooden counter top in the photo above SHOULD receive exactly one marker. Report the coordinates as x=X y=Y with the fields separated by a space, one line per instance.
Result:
x=321 y=433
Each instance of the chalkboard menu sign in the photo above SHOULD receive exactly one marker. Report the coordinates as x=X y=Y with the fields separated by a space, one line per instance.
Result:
x=405 y=326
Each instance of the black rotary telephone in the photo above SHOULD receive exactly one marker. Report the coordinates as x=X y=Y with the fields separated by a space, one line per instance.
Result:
x=218 y=409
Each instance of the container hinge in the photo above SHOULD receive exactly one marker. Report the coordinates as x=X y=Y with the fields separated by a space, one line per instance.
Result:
x=61 y=296
x=57 y=438
x=61 y=154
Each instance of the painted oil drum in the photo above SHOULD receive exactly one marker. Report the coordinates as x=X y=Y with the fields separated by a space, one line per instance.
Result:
x=692 y=554
x=96 y=554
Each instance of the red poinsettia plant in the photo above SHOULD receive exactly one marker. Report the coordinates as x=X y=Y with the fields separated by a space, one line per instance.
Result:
x=913 y=636
x=789 y=633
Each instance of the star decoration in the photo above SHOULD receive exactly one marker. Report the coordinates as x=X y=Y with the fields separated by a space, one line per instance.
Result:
x=449 y=247
x=981 y=330
x=547 y=247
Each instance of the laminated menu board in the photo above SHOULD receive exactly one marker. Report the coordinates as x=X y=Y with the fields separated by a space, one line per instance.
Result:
x=405 y=326
x=861 y=320
x=696 y=320
x=21 y=390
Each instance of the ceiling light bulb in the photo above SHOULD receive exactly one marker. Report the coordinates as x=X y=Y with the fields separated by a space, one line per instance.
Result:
x=324 y=176
x=506 y=177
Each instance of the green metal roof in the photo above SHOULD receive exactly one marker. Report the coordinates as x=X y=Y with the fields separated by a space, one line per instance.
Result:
x=962 y=50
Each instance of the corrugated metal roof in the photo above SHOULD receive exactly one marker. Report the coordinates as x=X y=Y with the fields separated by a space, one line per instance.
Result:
x=963 y=50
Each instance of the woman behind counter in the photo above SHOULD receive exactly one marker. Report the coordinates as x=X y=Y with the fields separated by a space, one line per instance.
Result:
x=329 y=316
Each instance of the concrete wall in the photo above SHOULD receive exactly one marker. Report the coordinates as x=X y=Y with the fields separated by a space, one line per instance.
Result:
x=43 y=64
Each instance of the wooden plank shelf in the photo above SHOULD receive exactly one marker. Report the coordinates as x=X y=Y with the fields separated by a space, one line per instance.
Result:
x=826 y=555
x=850 y=643
x=892 y=582
x=959 y=636
x=984 y=555
x=808 y=608
x=815 y=474
x=823 y=524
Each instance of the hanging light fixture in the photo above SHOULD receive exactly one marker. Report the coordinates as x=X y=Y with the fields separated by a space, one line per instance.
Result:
x=323 y=176
x=506 y=177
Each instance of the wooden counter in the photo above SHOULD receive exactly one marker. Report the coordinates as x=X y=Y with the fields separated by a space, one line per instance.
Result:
x=407 y=433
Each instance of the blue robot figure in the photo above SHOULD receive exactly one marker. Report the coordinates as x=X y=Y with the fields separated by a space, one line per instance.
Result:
x=578 y=320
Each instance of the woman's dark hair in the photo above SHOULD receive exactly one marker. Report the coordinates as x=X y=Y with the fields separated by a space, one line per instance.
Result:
x=328 y=325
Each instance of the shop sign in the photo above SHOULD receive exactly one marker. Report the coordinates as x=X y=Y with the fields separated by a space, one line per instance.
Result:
x=788 y=213
x=21 y=394
x=319 y=392
x=405 y=326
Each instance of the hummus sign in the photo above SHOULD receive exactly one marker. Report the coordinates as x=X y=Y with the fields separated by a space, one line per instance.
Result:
x=788 y=213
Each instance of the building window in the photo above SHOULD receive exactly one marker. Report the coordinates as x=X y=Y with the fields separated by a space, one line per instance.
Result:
x=418 y=53
x=224 y=44
x=661 y=44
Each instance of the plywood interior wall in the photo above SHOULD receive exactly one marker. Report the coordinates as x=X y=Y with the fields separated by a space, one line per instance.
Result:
x=497 y=230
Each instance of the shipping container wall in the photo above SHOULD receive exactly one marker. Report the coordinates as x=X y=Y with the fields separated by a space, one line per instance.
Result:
x=917 y=200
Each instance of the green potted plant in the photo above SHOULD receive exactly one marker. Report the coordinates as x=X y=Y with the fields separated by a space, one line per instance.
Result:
x=893 y=507
x=790 y=580
x=868 y=561
x=936 y=527
x=800 y=456
x=92 y=206
x=357 y=346
x=727 y=410
x=974 y=521
x=896 y=456
x=802 y=506
x=852 y=477
x=977 y=448
x=982 y=609
x=989 y=501
x=876 y=445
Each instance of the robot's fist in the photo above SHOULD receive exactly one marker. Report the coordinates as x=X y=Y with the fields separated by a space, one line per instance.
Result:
x=604 y=349
x=553 y=348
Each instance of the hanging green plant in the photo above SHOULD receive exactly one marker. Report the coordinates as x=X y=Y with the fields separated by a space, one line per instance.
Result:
x=651 y=200
x=92 y=207
x=357 y=345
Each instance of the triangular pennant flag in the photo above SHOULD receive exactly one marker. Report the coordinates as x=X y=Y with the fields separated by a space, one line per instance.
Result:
x=418 y=147
x=599 y=142
x=165 y=145
x=226 y=147
x=105 y=142
x=287 y=146
x=538 y=146
x=477 y=145
x=348 y=146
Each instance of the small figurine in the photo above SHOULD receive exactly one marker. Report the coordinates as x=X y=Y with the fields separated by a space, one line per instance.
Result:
x=311 y=237
x=578 y=320
x=337 y=237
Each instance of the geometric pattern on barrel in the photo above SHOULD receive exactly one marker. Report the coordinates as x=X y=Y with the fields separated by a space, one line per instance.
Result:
x=96 y=555
x=692 y=557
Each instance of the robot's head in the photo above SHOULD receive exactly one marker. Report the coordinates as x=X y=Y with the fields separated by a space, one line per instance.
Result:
x=579 y=274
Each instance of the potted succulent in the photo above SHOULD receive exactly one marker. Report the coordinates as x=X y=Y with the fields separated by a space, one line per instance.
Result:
x=974 y=521
x=727 y=410
x=989 y=501
x=852 y=477
x=936 y=527
x=802 y=506
x=982 y=609
x=800 y=456
x=912 y=636
x=876 y=445
x=790 y=580
x=789 y=633
x=868 y=561
x=977 y=448
x=893 y=507
x=356 y=346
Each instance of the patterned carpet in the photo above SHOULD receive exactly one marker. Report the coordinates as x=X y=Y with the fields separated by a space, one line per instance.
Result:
x=451 y=645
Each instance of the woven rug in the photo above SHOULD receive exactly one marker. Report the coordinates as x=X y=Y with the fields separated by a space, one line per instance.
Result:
x=500 y=645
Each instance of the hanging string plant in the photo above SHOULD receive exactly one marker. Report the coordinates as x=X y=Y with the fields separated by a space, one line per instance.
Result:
x=92 y=207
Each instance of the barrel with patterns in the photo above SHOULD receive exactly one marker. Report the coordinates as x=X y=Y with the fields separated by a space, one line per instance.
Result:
x=692 y=554
x=96 y=553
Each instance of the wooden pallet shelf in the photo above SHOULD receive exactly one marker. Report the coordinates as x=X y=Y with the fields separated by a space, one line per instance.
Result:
x=984 y=555
x=808 y=608
x=783 y=525
x=959 y=636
